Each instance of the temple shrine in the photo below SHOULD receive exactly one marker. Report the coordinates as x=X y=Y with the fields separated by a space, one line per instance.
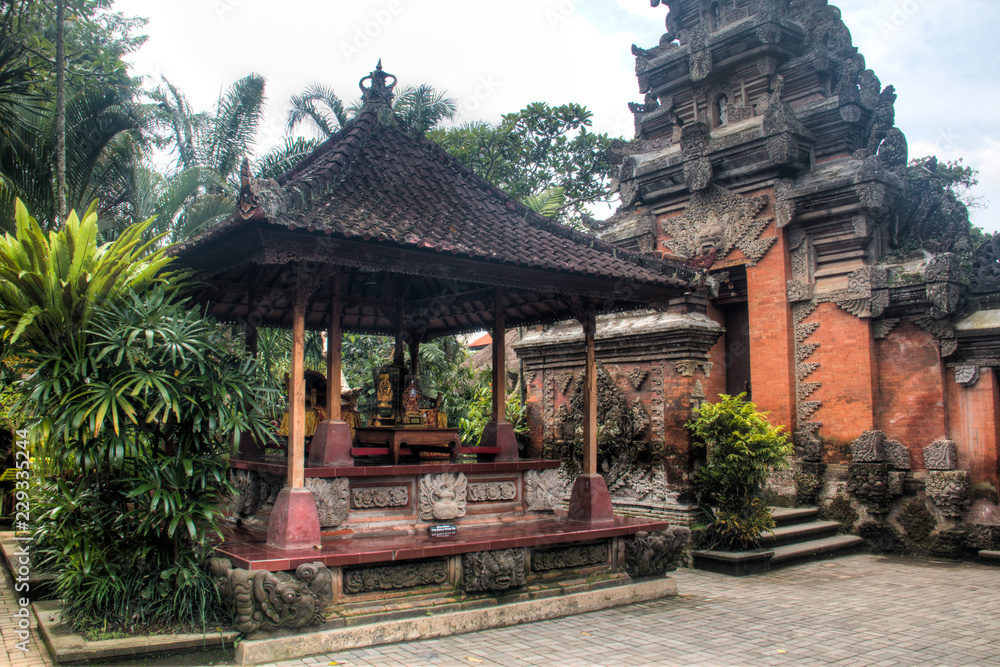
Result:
x=380 y=231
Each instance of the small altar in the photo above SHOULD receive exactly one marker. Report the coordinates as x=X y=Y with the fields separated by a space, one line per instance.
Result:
x=393 y=441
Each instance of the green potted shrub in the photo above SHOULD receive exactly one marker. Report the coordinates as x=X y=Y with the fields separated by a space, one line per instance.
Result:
x=742 y=448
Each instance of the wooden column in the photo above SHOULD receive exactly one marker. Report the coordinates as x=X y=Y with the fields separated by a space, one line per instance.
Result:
x=590 y=499
x=331 y=444
x=297 y=397
x=498 y=434
x=294 y=521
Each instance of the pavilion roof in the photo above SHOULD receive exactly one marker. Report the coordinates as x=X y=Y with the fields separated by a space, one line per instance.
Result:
x=378 y=198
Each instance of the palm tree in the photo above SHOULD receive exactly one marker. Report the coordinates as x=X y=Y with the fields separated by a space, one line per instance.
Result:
x=320 y=107
x=423 y=108
x=94 y=119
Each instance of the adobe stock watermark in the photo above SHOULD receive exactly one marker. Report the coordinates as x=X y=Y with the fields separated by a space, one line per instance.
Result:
x=560 y=13
x=225 y=7
x=900 y=14
x=376 y=22
x=21 y=562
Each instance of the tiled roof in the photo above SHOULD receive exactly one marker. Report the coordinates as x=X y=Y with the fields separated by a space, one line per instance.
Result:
x=377 y=180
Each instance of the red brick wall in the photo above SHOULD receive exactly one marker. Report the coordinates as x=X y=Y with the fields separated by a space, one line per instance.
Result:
x=716 y=383
x=848 y=370
x=974 y=425
x=772 y=340
x=911 y=402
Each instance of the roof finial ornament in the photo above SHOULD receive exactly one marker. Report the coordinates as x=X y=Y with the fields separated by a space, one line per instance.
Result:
x=379 y=90
x=248 y=201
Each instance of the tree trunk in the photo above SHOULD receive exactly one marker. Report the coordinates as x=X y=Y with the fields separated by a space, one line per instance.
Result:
x=60 y=111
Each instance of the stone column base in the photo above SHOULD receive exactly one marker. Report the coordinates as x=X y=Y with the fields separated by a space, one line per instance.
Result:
x=331 y=445
x=590 y=500
x=294 y=521
x=501 y=434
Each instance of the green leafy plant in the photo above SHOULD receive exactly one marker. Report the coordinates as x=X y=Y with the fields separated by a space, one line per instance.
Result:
x=132 y=405
x=742 y=448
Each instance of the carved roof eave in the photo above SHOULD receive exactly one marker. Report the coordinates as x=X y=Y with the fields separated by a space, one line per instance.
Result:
x=731 y=47
x=743 y=153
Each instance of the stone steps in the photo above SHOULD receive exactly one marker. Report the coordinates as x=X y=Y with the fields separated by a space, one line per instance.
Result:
x=991 y=557
x=799 y=536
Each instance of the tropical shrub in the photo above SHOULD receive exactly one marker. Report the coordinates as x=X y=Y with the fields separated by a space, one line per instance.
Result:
x=132 y=404
x=742 y=448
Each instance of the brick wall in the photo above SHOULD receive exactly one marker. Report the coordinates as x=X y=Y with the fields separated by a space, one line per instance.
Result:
x=974 y=425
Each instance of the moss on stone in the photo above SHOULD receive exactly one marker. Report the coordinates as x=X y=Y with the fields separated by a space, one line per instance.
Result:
x=842 y=511
x=952 y=543
x=917 y=521
x=882 y=537
x=809 y=483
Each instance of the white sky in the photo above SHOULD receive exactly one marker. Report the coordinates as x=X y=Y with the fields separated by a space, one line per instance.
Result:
x=496 y=57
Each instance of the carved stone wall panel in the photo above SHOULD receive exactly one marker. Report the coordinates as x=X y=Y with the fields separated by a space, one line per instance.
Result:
x=332 y=500
x=718 y=220
x=648 y=554
x=492 y=491
x=799 y=291
x=443 y=496
x=882 y=327
x=262 y=600
x=948 y=490
x=557 y=558
x=868 y=447
x=637 y=376
x=941 y=455
x=395 y=577
x=493 y=570
x=250 y=493
x=896 y=454
x=380 y=497
x=543 y=490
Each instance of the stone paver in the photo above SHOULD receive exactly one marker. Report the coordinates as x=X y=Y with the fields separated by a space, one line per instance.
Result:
x=37 y=654
x=854 y=611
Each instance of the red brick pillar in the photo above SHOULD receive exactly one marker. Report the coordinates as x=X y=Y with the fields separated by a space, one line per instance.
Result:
x=772 y=333
x=974 y=425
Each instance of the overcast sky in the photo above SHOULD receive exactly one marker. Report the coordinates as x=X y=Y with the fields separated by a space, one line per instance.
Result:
x=496 y=57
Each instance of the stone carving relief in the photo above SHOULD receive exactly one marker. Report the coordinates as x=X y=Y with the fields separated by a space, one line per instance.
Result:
x=868 y=447
x=799 y=291
x=493 y=570
x=564 y=381
x=869 y=482
x=250 y=493
x=372 y=497
x=543 y=489
x=557 y=558
x=737 y=221
x=443 y=496
x=967 y=376
x=697 y=165
x=986 y=267
x=700 y=60
x=943 y=291
x=867 y=293
x=948 y=490
x=687 y=368
x=941 y=455
x=492 y=492
x=637 y=376
x=394 y=577
x=263 y=600
x=808 y=446
x=883 y=326
x=896 y=454
x=332 y=500
x=649 y=554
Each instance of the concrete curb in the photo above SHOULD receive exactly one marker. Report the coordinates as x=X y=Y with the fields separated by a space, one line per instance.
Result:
x=250 y=652
x=65 y=646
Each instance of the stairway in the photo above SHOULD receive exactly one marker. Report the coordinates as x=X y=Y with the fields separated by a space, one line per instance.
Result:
x=798 y=536
x=991 y=557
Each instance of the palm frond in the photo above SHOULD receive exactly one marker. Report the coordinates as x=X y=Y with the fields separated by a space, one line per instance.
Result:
x=281 y=159
x=237 y=118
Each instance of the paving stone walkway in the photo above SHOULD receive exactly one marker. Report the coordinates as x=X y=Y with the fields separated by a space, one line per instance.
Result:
x=36 y=654
x=852 y=611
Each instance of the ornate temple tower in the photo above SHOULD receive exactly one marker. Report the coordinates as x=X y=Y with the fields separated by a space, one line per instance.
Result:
x=765 y=151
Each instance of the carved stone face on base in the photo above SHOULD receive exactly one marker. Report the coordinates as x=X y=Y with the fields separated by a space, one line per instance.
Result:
x=493 y=570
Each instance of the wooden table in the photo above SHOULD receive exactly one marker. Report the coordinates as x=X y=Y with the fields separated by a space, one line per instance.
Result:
x=394 y=439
